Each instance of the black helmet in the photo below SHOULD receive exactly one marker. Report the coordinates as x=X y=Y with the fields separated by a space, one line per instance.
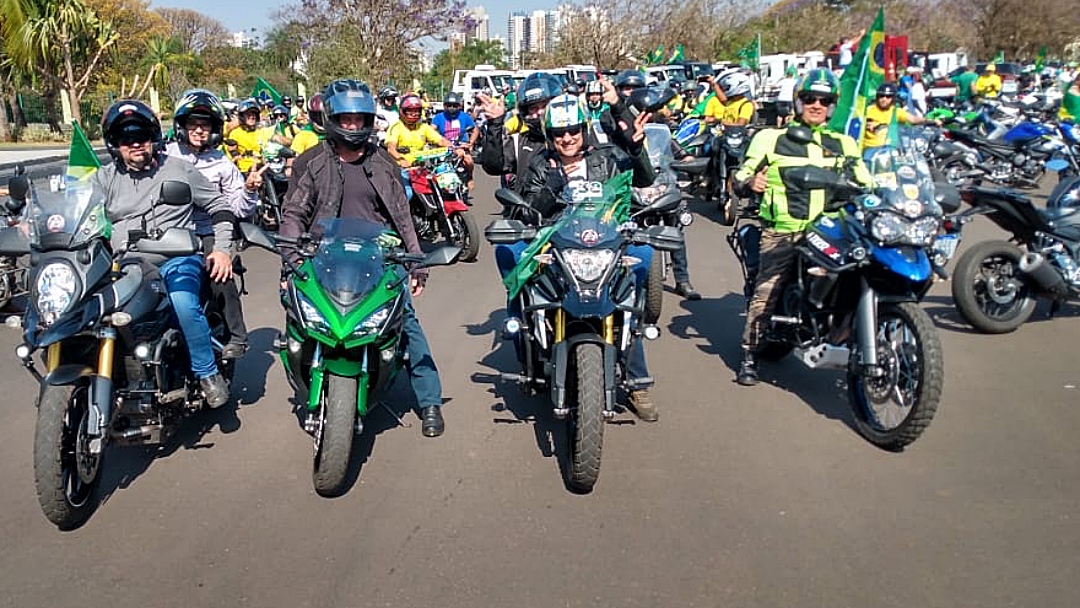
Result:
x=537 y=87
x=630 y=78
x=315 y=112
x=886 y=89
x=388 y=92
x=199 y=103
x=280 y=113
x=348 y=96
x=129 y=117
x=286 y=101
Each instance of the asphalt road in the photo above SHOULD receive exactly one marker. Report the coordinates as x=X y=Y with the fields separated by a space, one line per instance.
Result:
x=736 y=497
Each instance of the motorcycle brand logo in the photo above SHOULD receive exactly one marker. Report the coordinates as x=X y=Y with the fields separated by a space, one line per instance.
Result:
x=913 y=208
x=55 y=223
x=590 y=236
x=826 y=222
x=823 y=246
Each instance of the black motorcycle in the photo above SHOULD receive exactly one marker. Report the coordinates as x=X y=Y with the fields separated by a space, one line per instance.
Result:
x=729 y=150
x=275 y=185
x=996 y=283
x=116 y=368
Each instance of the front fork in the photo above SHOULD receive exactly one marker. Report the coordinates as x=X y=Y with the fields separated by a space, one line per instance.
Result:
x=866 y=328
x=101 y=389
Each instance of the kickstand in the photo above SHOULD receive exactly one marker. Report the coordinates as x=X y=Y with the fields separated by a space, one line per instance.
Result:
x=1054 y=307
x=394 y=414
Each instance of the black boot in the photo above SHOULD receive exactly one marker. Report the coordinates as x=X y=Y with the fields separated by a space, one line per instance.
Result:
x=686 y=290
x=432 y=421
x=747 y=370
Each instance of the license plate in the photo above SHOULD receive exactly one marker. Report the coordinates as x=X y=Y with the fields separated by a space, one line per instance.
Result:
x=946 y=245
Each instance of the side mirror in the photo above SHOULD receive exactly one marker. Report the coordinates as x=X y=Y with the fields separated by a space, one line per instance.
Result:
x=651 y=98
x=13 y=242
x=18 y=187
x=504 y=232
x=509 y=198
x=286 y=153
x=175 y=193
x=253 y=235
x=442 y=256
x=799 y=134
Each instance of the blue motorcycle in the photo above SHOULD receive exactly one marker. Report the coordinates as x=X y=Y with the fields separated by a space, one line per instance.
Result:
x=852 y=303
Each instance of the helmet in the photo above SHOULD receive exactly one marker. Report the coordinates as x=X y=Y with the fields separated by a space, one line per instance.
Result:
x=387 y=92
x=203 y=104
x=300 y=100
x=286 y=101
x=630 y=78
x=735 y=84
x=537 y=87
x=563 y=112
x=247 y=105
x=820 y=81
x=348 y=96
x=594 y=87
x=280 y=112
x=990 y=67
x=886 y=89
x=268 y=103
x=315 y=112
x=411 y=107
x=126 y=117
x=452 y=99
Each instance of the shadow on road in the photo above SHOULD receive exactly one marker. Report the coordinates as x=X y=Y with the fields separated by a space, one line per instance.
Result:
x=943 y=311
x=249 y=382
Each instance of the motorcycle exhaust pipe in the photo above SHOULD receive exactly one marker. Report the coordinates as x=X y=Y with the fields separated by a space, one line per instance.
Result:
x=1045 y=276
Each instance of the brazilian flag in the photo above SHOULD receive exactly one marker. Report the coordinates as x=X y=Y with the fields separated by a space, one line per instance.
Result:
x=263 y=89
x=860 y=80
x=82 y=161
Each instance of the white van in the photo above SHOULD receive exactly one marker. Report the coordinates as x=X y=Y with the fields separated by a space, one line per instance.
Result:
x=661 y=74
x=468 y=83
x=577 y=71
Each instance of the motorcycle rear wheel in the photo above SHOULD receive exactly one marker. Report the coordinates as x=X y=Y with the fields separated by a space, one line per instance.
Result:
x=988 y=289
x=464 y=225
x=66 y=475
x=586 y=417
x=892 y=411
x=334 y=435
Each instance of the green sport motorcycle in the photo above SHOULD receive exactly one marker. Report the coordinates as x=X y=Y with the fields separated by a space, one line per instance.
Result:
x=345 y=305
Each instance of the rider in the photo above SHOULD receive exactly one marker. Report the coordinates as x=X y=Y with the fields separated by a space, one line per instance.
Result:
x=786 y=210
x=387 y=112
x=248 y=136
x=569 y=159
x=988 y=86
x=459 y=128
x=312 y=133
x=198 y=118
x=738 y=110
x=509 y=143
x=349 y=176
x=284 y=130
x=880 y=115
x=131 y=184
x=410 y=135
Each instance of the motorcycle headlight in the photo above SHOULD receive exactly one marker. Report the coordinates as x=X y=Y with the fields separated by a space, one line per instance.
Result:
x=922 y=231
x=373 y=322
x=312 y=316
x=892 y=229
x=56 y=287
x=588 y=265
x=887 y=227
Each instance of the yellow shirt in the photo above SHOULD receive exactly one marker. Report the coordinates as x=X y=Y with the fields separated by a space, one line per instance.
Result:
x=410 y=141
x=249 y=145
x=714 y=109
x=737 y=109
x=876 y=132
x=988 y=85
x=304 y=140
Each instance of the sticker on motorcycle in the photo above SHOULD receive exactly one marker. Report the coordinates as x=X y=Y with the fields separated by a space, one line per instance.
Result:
x=906 y=172
x=911 y=191
x=885 y=180
x=55 y=223
x=581 y=191
x=590 y=236
x=823 y=246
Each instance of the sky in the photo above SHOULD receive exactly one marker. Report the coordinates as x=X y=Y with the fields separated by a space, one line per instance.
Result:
x=240 y=15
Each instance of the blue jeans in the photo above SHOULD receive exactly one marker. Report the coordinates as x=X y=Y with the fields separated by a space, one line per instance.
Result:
x=183 y=279
x=407 y=183
x=680 y=264
x=423 y=375
x=507 y=257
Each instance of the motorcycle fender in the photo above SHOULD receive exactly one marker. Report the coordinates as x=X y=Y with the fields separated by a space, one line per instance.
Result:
x=560 y=357
x=343 y=367
x=67 y=374
x=453 y=205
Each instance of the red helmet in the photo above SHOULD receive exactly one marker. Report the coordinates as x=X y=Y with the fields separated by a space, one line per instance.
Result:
x=315 y=111
x=411 y=107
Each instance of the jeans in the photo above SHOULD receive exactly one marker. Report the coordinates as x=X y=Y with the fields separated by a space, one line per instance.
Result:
x=680 y=264
x=423 y=375
x=183 y=279
x=507 y=257
x=408 y=184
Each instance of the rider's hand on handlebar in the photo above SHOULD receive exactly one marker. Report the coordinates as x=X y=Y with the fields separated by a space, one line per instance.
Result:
x=759 y=182
x=220 y=265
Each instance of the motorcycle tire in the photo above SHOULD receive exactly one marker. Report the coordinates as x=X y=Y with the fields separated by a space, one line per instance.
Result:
x=586 y=417
x=992 y=308
x=65 y=474
x=950 y=171
x=728 y=206
x=334 y=437
x=7 y=290
x=469 y=235
x=913 y=359
x=654 y=289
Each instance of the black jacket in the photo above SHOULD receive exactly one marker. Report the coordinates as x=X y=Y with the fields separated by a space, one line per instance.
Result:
x=544 y=179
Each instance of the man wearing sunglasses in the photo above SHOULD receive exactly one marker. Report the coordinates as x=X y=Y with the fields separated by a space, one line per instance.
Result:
x=786 y=210
x=460 y=129
x=881 y=114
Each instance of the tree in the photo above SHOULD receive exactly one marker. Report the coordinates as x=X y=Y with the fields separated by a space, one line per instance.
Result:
x=195 y=31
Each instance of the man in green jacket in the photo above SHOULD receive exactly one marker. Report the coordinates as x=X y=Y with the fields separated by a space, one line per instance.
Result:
x=785 y=209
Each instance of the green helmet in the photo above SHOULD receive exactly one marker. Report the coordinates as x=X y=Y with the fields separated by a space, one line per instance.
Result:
x=564 y=112
x=820 y=81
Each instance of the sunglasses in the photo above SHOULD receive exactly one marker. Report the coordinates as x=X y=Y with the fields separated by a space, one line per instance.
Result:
x=886 y=96
x=825 y=100
x=557 y=132
x=133 y=135
x=452 y=106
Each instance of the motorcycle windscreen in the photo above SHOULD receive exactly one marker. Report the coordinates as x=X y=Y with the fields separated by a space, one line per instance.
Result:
x=903 y=181
x=658 y=145
x=349 y=261
x=66 y=214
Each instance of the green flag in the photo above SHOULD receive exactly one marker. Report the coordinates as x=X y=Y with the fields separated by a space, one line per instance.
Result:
x=677 y=55
x=1000 y=57
x=616 y=207
x=1071 y=104
x=82 y=162
x=1040 y=58
x=699 y=110
x=750 y=54
x=656 y=56
x=859 y=83
x=263 y=88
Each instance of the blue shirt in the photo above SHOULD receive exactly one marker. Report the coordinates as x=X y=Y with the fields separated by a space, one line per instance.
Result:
x=457 y=129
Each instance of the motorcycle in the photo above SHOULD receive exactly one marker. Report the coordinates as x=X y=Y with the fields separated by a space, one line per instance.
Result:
x=275 y=185
x=116 y=368
x=439 y=205
x=13 y=270
x=1017 y=159
x=997 y=283
x=727 y=158
x=853 y=302
x=581 y=311
x=342 y=345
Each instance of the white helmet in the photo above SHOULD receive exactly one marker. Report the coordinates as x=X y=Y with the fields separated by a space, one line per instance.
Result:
x=735 y=84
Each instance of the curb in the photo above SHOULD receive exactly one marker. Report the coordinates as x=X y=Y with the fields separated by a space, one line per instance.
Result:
x=44 y=160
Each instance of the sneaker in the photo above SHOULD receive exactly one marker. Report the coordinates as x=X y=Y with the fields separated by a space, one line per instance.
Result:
x=643 y=406
x=748 y=373
x=216 y=390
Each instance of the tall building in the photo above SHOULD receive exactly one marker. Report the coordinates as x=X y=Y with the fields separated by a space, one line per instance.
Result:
x=517 y=33
x=538 y=31
x=481 y=29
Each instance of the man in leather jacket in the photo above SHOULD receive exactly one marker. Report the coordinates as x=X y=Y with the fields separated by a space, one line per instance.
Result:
x=349 y=176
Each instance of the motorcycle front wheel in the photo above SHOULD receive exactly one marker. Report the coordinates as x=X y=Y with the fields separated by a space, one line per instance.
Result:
x=654 y=289
x=468 y=235
x=334 y=435
x=586 y=417
x=989 y=290
x=65 y=473
x=893 y=406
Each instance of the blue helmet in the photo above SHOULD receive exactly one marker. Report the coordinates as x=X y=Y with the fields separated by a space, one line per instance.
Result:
x=348 y=97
